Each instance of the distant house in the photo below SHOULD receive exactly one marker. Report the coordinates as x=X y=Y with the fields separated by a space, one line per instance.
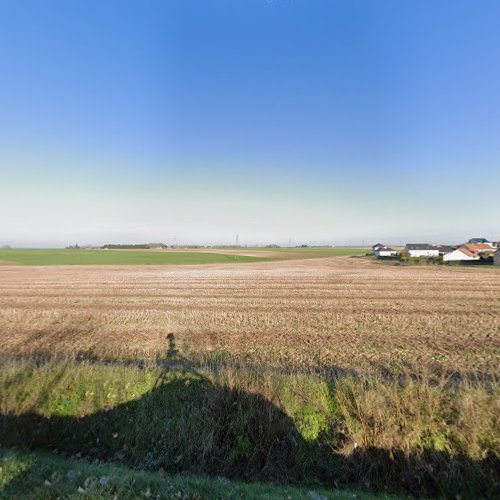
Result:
x=444 y=249
x=480 y=248
x=377 y=247
x=460 y=254
x=415 y=250
x=496 y=258
x=385 y=252
x=478 y=240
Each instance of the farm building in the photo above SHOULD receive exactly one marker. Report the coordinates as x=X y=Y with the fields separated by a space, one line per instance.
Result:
x=415 y=250
x=459 y=254
x=376 y=247
x=480 y=248
x=496 y=258
x=385 y=252
x=444 y=249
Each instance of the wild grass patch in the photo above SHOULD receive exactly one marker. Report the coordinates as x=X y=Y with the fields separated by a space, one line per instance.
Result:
x=420 y=436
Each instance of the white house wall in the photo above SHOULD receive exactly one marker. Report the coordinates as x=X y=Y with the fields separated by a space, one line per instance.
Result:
x=457 y=255
x=423 y=253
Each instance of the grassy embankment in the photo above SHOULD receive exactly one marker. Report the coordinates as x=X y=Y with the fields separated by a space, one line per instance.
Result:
x=42 y=475
x=422 y=437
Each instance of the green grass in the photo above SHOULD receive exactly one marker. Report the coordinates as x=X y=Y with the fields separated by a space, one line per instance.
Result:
x=31 y=475
x=417 y=438
x=117 y=257
x=48 y=257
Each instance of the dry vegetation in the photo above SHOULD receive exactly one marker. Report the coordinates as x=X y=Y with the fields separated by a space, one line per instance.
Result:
x=344 y=312
x=390 y=415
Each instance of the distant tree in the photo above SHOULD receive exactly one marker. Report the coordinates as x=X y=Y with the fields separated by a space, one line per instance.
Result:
x=142 y=246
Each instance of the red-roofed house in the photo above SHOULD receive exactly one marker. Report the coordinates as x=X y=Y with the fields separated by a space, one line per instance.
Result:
x=480 y=248
x=461 y=253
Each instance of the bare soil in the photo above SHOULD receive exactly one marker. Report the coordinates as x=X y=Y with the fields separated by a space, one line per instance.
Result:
x=344 y=312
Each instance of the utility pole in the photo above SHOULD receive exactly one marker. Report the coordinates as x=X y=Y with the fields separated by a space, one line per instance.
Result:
x=237 y=240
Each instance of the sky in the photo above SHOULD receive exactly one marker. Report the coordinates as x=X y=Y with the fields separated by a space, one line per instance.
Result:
x=191 y=121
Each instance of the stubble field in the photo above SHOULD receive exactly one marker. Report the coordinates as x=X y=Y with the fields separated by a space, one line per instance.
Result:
x=337 y=371
x=342 y=312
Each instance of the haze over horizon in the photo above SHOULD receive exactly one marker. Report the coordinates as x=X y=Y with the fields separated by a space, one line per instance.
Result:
x=324 y=121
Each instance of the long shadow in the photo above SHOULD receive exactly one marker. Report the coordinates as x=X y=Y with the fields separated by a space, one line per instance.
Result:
x=326 y=372
x=174 y=361
x=187 y=423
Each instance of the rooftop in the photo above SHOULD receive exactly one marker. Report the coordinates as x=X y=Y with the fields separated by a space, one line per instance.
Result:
x=419 y=246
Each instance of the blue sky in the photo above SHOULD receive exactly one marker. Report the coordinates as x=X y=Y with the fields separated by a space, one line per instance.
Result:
x=317 y=120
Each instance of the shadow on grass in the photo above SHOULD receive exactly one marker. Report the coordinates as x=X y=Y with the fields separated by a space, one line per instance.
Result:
x=184 y=423
x=187 y=423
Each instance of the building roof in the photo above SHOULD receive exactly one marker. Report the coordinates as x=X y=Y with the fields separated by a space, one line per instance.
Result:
x=444 y=248
x=467 y=252
x=385 y=249
x=419 y=246
x=377 y=245
x=479 y=247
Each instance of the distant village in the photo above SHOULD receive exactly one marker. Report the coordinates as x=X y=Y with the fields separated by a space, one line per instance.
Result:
x=478 y=250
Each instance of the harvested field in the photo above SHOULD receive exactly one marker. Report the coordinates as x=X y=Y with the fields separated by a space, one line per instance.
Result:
x=229 y=397
x=349 y=313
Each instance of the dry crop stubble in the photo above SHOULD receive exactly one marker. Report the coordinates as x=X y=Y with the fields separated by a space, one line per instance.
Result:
x=428 y=434
x=342 y=312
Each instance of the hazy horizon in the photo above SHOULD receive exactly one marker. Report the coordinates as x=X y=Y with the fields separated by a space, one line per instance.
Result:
x=320 y=122
x=354 y=242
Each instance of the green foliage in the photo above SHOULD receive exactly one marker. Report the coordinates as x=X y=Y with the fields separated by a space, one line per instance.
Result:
x=308 y=401
x=40 y=476
x=142 y=246
x=384 y=433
